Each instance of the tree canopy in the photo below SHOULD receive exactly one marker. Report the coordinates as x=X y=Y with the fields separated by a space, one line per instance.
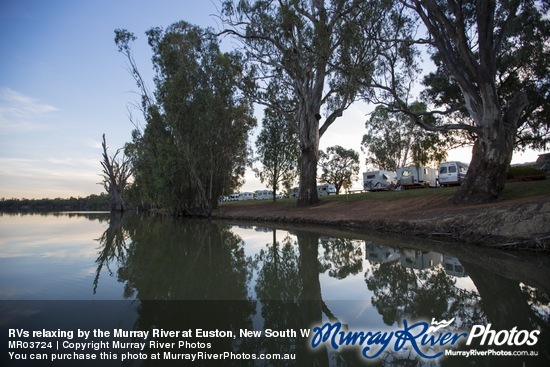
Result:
x=313 y=53
x=491 y=81
x=339 y=166
x=277 y=151
x=394 y=140
x=520 y=65
x=194 y=145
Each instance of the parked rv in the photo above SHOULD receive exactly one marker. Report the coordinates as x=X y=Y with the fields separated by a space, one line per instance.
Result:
x=246 y=196
x=322 y=190
x=379 y=180
x=453 y=266
x=234 y=197
x=326 y=189
x=452 y=173
x=264 y=194
x=412 y=176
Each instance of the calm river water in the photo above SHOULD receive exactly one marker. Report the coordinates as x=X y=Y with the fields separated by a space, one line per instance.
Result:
x=88 y=271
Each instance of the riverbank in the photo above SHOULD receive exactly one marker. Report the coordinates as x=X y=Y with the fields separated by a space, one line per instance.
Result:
x=519 y=220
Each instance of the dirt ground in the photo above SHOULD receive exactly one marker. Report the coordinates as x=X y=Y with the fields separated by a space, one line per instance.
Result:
x=515 y=223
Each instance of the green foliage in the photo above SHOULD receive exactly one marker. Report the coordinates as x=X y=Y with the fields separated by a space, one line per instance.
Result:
x=339 y=166
x=521 y=63
x=313 y=54
x=278 y=152
x=394 y=140
x=194 y=146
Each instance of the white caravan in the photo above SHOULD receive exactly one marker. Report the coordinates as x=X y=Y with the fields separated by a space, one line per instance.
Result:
x=246 y=196
x=412 y=176
x=452 y=173
x=379 y=180
x=322 y=190
x=234 y=197
x=264 y=194
x=326 y=189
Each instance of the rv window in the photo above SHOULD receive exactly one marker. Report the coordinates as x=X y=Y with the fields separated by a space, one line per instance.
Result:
x=452 y=169
x=385 y=177
x=370 y=177
x=443 y=169
x=407 y=173
x=463 y=169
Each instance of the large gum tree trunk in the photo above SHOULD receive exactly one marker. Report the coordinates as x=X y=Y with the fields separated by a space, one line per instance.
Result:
x=309 y=146
x=307 y=193
x=487 y=173
x=492 y=152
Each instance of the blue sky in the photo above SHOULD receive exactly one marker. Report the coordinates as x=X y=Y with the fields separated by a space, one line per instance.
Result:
x=63 y=84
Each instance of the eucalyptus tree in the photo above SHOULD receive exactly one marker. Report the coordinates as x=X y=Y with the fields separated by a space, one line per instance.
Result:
x=339 y=166
x=394 y=140
x=197 y=120
x=314 y=51
x=492 y=80
x=277 y=150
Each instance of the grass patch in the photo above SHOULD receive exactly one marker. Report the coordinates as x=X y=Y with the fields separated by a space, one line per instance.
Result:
x=512 y=190
x=517 y=190
x=395 y=195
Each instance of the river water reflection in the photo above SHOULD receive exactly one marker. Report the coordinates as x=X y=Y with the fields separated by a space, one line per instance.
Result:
x=264 y=277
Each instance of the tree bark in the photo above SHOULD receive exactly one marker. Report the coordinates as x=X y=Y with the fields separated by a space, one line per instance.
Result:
x=309 y=157
x=496 y=120
x=116 y=199
x=487 y=173
x=492 y=152
x=307 y=194
x=115 y=176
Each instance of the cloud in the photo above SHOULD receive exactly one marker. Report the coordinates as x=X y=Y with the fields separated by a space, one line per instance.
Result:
x=21 y=113
x=49 y=177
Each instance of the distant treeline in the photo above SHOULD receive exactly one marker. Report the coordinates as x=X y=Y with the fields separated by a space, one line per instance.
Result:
x=88 y=203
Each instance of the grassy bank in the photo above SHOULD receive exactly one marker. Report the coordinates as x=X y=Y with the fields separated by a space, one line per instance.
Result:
x=519 y=219
x=513 y=190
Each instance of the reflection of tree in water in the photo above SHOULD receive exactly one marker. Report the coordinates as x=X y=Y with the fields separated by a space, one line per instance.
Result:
x=169 y=260
x=278 y=276
x=164 y=258
x=112 y=246
x=289 y=290
x=172 y=259
x=176 y=269
x=342 y=257
x=278 y=288
x=404 y=293
x=508 y=303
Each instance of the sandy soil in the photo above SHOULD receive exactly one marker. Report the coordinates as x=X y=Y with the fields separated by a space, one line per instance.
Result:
x=515 y=224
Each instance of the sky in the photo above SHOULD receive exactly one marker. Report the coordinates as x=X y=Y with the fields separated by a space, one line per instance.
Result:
x=63 y=84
